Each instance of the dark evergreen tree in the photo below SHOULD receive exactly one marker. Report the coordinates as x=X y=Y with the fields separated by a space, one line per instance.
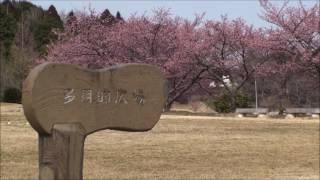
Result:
x=107 y=18
x=118 y=16
x=43 y=33
x=8 y=28
x=25 y=32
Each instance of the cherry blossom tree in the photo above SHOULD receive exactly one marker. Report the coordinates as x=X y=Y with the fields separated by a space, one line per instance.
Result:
x=95 y=41
x=295 y=34
x=195 y=53
x=233 y=53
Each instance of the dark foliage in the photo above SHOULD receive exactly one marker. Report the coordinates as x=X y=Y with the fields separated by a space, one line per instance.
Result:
x=223 y=104
x=12 y=95
x=8 y=28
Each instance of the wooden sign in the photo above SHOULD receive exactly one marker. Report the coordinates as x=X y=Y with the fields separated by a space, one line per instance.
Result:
x=65 y=103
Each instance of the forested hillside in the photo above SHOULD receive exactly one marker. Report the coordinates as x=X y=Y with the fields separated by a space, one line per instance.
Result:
x=25 y=32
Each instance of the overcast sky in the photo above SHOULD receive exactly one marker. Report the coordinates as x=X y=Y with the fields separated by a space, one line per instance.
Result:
x=247 y=9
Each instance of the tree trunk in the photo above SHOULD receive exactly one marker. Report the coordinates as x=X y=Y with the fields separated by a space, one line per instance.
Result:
x=168 y=105
x=233 y=102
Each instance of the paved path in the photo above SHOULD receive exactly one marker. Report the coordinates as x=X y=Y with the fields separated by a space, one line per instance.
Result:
x=189 y=117
x=256 y=119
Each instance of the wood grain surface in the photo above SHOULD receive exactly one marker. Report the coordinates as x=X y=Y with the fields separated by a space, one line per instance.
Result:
x=61 y=154
x=125 y=97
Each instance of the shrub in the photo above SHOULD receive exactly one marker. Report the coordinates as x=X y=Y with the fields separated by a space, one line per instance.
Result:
x=282 y=110
x=12 y=95
x=242 y=100
x=223 y=104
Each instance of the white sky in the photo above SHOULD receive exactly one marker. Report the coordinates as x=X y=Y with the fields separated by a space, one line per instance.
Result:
x=246 y=9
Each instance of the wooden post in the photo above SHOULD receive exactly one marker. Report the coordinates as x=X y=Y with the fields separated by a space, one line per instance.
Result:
x=65 y=103
x=61 y=153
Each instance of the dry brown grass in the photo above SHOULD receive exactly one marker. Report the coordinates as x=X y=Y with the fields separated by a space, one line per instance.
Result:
x=184 y=149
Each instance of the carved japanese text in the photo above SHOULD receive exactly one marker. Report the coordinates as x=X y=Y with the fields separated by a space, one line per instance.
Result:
x=104 y=96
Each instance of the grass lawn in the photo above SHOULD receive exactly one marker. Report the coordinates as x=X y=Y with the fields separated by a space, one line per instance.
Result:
x=178 y=149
